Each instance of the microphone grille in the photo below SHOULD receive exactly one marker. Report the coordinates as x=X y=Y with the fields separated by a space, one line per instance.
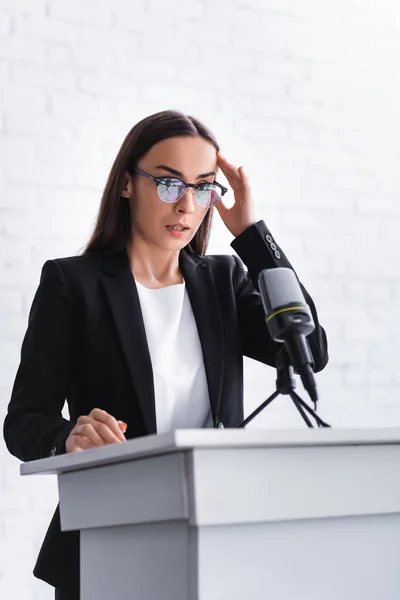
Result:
x=281 y=287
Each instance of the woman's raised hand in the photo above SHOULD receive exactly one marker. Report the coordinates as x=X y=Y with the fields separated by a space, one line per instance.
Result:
x=99 y=428
x=243 y=213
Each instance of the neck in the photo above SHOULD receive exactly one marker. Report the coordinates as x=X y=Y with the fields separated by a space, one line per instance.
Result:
x=151 y=264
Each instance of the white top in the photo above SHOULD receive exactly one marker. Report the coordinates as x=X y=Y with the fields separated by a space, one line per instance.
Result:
x=180 y=383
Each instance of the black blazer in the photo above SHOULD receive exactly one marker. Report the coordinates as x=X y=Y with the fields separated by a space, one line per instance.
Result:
x=86 y=343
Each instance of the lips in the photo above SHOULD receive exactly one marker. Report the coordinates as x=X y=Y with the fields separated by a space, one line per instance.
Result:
x=177 y=233
x=178 y=225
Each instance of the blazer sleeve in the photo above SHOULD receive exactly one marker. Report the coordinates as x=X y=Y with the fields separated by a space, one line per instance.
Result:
x=34 y=427
x=258 y=250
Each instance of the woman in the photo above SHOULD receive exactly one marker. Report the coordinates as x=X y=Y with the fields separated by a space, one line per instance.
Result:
x=143 y=328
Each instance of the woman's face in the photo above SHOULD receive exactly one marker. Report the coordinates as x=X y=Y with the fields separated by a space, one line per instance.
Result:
x=191 y=159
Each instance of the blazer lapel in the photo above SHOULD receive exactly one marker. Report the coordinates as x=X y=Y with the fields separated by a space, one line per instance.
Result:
x=122 y=296
x=120 y=288
x=203 y=297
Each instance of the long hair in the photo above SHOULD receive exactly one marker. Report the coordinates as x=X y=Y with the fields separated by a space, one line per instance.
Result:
x=113 y=225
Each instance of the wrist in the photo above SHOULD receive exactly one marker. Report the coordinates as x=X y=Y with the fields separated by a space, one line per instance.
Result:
x=243 y=229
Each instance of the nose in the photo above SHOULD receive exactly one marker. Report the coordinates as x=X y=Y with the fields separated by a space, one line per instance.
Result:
x=187 y=203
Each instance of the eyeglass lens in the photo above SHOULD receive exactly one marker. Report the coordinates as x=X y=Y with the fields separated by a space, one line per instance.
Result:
x=171 y=190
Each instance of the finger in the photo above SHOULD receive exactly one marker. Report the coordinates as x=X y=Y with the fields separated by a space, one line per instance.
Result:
x=232 y=169
x=243 y=175
x=221 y=207
x=96 y=426
x=225 y=164
x=123 y=426
x=104 y=417
x=76 y=443
x=98 y=431
x=88 y=431
x=231 y=173
x=107 y=434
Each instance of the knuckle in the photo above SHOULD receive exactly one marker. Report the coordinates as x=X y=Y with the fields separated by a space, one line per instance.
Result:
x=98 y=413
x=109 y=419
x=87 y=428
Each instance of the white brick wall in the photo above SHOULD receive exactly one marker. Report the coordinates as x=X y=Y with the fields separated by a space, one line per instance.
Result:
x=304 y=94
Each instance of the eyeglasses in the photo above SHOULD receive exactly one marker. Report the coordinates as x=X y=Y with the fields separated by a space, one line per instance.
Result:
x=171 y=189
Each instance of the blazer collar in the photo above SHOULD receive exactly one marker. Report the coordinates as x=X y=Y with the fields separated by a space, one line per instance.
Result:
x=121 y=292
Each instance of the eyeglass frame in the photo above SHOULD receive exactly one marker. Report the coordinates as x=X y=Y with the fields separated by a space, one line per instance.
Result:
x=224 y=190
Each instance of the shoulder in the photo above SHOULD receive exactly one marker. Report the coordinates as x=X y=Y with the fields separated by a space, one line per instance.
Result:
x=83 y=262
x=69 y=270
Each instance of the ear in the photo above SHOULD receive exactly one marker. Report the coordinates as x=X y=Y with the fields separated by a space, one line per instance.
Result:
x=127 y=190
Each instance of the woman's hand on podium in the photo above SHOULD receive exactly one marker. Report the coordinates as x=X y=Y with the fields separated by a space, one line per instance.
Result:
x=99 y=428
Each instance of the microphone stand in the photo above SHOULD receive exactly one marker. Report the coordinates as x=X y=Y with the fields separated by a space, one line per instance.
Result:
x=285 y=385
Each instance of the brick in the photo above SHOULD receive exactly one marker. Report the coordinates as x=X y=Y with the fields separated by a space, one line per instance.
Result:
x=163 y=44
x=194 y=9
x=4 y=72
x=13 y=253
x=81 y=12
x=17 y=122
x=8 y=370
x=65 y=152
x=15 y=100
x=47 y=29
x=5 y=24
x=39 y=173
x=13 y=504
x=58 y=55
x=10 y=149
x=262 y=129
x=355 y=376
x=22 y=592
x=88 y=57
x=10 y=302
x=273 y=5
x=16 y=195
x=366 y=290
x=138 y=20
x=13 y=327
x=24 y=6
x=280 y=67
x=43 y=77
x=105 y=84
x=244 y=19
x=17 y=49
x=71 y=107
x=179 y=96
x=363 y=330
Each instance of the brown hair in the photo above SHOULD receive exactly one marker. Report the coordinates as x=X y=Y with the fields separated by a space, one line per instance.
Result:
x=113 y=227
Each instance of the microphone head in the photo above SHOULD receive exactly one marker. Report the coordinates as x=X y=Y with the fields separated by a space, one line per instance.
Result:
x=286 y=310
x=279 y=287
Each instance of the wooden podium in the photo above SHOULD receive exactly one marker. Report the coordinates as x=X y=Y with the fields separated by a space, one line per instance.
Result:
x=236 y=515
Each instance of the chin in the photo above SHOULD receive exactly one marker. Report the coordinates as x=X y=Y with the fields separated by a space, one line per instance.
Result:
x=172 y=244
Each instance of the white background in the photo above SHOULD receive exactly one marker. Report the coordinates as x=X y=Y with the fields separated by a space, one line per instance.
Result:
x=304 y=94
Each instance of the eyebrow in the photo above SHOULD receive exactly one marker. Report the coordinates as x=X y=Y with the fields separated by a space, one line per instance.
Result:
x=179 y=174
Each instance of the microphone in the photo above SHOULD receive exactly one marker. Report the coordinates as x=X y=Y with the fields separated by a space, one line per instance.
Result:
x=289 y=320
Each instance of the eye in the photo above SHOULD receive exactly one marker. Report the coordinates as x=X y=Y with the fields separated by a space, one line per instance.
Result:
x=204 y=186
